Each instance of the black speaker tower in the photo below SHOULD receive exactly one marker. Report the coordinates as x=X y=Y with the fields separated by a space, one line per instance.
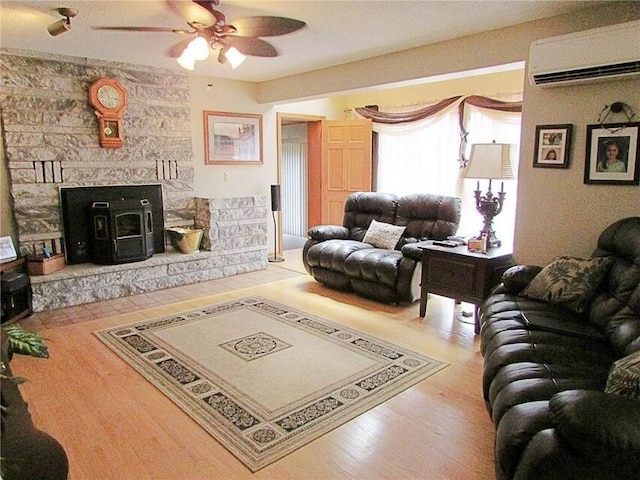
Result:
x=275 y=207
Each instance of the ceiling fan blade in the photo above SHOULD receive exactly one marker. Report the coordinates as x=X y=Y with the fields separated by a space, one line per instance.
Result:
x=208 y=6
x=266 y=26
x=145 y=29
x=192 y=11
x=250 y=46
x=176 y=50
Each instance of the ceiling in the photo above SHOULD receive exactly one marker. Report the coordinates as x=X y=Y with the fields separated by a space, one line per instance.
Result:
x=337 y=32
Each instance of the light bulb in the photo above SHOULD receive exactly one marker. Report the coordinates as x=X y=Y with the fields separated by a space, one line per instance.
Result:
x=199 y=48
x=186 y=60
x=234 y=56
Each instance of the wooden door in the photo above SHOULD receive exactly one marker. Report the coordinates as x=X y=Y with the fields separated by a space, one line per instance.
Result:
x=346 y=165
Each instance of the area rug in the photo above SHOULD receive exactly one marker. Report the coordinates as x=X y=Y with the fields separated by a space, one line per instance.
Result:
x=264 y=378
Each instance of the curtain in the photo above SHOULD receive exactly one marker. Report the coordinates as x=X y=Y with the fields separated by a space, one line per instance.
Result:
x=414 y=157
x=403 y=115
x=486 y=103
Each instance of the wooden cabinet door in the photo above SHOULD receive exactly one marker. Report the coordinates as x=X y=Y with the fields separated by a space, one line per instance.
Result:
x=346 y=165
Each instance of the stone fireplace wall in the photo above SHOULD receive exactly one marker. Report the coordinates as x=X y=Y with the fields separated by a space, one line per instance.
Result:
x=50 y=133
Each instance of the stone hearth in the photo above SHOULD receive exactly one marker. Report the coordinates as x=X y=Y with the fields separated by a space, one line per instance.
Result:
x=235 y=232
x=86 y=282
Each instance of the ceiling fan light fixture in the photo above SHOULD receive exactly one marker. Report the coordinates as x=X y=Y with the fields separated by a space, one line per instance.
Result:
x=234 y=56
x=186 y=60
x=199 y=48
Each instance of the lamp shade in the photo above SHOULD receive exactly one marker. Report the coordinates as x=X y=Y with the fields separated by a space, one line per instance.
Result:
x=234 y=56
x=490 y=160
x=199 y=48
x=186 y=60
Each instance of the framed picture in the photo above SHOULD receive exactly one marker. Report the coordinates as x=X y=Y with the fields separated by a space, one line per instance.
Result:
x=552 y=146
x=7 y=250
x=612 y=154
x=232 y=138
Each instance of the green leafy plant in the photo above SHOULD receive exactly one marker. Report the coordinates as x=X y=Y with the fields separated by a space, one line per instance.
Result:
x=24 y=342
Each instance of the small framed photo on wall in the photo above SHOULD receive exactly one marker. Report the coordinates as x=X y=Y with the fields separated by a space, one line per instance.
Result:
x=612 y=154
x=552 y=146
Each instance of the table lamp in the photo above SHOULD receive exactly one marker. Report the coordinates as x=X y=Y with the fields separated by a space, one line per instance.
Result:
x=490 y=161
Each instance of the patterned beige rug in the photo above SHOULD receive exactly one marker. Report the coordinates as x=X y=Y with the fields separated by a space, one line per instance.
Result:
x=264 y=378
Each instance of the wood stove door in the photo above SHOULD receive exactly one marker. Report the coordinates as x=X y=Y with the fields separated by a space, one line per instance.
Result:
x=130 y=241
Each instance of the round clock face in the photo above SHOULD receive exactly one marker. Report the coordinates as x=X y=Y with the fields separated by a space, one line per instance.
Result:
x=108 y=96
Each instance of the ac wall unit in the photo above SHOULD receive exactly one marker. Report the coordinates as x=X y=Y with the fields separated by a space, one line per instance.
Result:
x=600 y=54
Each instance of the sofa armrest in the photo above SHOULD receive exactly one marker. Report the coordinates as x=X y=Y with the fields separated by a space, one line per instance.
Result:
x=413 y=250
x=322 y=233
x=514 y=279
x=599 y=424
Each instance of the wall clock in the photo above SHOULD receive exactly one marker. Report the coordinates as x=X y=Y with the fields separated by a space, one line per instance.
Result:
x=109 y=99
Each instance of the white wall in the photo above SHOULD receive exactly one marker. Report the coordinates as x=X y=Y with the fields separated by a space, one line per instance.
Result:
x=557 y=213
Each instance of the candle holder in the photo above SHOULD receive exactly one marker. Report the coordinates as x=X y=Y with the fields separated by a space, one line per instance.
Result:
x=489 y=206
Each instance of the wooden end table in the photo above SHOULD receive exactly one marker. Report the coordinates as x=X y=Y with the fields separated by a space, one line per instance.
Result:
x=16 y=304
x=462 y=275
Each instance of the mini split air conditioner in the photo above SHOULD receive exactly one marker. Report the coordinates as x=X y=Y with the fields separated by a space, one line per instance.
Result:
x=600 y=54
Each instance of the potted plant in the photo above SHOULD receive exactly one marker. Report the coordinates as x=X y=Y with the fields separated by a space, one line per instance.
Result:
x=25 y=451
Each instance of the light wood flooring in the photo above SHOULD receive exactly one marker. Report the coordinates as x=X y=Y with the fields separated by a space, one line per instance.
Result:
x=114 y=424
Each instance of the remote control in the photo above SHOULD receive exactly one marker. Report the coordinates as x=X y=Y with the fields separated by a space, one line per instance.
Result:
x=445 y=243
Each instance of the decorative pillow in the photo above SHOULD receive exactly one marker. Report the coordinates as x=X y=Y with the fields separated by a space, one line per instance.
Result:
x=569 y=282
x=383 y=235
x=624 y=376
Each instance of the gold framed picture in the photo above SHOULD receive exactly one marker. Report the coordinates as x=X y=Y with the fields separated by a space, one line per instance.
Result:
x=232 y=138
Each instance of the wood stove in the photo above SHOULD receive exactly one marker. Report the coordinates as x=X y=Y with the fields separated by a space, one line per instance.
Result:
x=122 y=231
x=78 y=228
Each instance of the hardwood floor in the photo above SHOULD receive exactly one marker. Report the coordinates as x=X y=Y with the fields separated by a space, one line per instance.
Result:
x=116 y=425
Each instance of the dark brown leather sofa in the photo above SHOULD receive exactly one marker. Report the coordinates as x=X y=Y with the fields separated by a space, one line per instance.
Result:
x=545 y=390
x=337 y=256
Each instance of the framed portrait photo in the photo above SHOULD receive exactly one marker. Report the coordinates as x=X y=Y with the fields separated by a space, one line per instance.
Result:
x=552 y=146
x=612 y=154
x=232 y=138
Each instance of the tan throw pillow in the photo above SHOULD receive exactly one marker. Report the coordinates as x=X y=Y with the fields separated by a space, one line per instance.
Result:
x=383 y=235
x=569 y=282
x=624 y=376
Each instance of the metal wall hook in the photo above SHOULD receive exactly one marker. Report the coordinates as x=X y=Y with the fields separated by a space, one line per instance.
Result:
x=616 y=107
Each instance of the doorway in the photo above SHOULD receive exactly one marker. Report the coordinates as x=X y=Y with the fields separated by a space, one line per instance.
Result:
x=299 y=151
x=294 y=184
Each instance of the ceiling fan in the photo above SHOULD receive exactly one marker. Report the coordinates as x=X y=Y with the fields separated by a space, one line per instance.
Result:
x=234 y=40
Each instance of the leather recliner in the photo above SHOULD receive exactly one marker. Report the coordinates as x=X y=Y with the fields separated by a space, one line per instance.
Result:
x=545 y=390
x=337 y=257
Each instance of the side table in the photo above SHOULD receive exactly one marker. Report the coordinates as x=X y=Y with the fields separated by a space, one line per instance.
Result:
x=462 y=275
x=16 y=291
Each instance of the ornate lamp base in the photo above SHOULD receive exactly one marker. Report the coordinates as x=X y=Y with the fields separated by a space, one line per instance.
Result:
x=489 y=206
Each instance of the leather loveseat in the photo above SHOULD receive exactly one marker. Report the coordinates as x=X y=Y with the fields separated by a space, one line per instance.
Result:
x=338 y=256
x=548 y=383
